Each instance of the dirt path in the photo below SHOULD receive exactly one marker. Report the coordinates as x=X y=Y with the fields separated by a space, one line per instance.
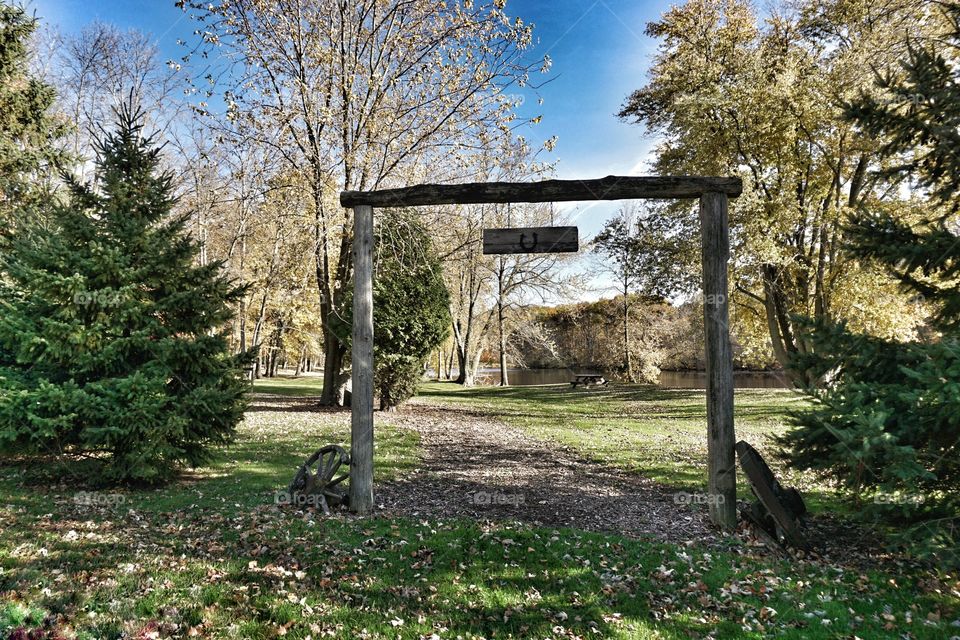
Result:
x=477 y=467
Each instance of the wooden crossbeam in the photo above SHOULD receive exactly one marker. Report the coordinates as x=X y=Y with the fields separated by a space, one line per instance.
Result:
x=609 y=188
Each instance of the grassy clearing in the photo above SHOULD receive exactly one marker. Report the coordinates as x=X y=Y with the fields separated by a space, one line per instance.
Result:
x=659 y=433
x=212 y=556
x=307 y=385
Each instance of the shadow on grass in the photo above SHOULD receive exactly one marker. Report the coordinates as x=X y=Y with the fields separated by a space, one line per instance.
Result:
x=290 y=404
x=553 y=394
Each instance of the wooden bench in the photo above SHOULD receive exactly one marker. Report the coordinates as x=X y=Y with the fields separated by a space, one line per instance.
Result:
x=588 y=381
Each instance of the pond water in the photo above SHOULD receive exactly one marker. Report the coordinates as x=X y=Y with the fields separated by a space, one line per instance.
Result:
x=668 y=379
x=741 y=380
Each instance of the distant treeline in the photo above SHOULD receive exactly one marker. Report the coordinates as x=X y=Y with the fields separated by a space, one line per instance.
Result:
x=591 y=335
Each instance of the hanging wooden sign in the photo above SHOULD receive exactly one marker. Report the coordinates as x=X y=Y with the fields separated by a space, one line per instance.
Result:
x=531 y=240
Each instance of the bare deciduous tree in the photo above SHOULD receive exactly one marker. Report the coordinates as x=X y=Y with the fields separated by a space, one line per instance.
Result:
x=102 y=67
x=359 y=94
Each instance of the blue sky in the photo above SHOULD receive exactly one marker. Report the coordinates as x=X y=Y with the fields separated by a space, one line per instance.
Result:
x=599 y=56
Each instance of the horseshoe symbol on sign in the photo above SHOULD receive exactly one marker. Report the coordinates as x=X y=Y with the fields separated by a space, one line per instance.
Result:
x=523 y=245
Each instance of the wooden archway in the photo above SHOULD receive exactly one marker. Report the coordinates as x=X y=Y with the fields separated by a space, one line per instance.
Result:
x=713 y=192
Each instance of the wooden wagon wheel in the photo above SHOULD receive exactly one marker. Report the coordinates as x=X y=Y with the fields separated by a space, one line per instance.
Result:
x=316 y=478
x=783 y=512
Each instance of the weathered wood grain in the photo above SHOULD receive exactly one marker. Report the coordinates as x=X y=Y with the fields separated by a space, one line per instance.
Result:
x=609 y=188
x=531 y=240
x=762 y=483
x=721 y=458
x=361 y=405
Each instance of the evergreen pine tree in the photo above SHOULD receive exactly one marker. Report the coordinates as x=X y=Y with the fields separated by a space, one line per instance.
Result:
x=27 y=130
x=411 y=307
x=888 y=421
x=109 y=330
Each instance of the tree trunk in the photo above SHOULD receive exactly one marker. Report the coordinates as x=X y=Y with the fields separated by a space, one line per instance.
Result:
x=243 y=324
x=257 y=328
x=333 y=351
x=464 y=375
x=243 y=300
x=778 y=325
x=342 y=276
x=504 y=381
x=467 y=372
x=457 y=348
x=627 y=360
x=332 y=367
x=301 y=361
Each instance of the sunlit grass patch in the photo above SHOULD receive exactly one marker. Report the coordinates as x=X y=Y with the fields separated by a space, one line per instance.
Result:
x=658 y=433
x=305 y=385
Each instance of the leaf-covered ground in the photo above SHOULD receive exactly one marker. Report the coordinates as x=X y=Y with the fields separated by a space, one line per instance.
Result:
x=212 y=555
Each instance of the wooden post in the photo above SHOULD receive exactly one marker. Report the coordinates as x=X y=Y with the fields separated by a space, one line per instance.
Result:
x=721 y=463
x=361 y=406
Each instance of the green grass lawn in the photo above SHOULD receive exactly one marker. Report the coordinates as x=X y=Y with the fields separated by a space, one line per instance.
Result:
x=309 y=385
x=659 y=433
x=213 y=556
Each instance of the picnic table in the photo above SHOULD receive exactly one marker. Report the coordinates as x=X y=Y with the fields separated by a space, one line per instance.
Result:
x=588 y=380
